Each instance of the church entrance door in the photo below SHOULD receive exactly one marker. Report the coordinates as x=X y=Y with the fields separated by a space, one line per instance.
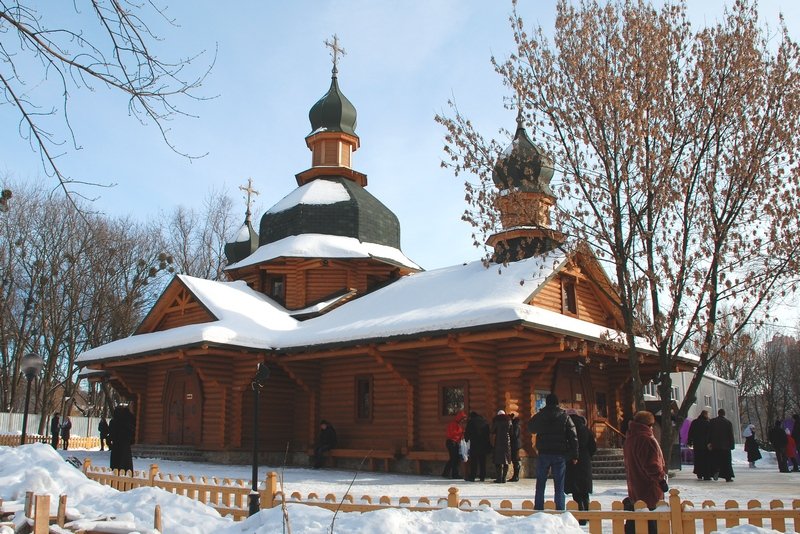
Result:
x=183 y=409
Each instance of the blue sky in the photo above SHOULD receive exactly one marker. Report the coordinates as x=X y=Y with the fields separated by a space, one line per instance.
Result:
x=404 y=61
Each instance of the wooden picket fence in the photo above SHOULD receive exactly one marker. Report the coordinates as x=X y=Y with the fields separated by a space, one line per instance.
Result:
x=229 y=497
x=75 y=442
x=38 y=518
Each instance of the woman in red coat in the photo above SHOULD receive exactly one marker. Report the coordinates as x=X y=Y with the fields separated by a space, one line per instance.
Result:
x=644 y=463
x=454 y=432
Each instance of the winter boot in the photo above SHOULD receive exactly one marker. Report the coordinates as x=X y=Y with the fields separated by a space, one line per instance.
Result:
x=515 y=473
x=500 y=478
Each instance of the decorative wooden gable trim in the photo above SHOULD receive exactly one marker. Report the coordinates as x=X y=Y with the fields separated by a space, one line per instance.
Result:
x=580 y=289
x=177 y=306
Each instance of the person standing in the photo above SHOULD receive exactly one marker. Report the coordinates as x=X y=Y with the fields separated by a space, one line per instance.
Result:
x=578 y=479
x=751 y=445
x=121 y=431
x=477 y=433
x=720 y=443
x=698 y=440
x=102 y=429
x=556 y=443
x=327 y=441
x=501 y=454
x=646 y=472
x=454 y=435
x=516 y=445
x=791 y=452
x=55 y=428
x=66 y=427
x=777 y=437
x=796 y=431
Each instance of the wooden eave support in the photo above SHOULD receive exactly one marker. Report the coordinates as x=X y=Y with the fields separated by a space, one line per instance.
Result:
x=407 y=383
x=454 y=343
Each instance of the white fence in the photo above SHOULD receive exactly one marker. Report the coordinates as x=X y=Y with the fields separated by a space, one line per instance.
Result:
x=11 y=423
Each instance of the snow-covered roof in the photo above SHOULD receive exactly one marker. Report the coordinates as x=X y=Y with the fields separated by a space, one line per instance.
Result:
x=451 y=298
x=245 y=318
x=442 y=300
x=315 y=192
x=324 y=246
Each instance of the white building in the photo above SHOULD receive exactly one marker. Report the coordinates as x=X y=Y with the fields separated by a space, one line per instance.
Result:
x=713 y=393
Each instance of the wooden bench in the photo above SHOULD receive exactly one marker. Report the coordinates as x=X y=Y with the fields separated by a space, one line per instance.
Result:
x=371 y=455
x=430 y=456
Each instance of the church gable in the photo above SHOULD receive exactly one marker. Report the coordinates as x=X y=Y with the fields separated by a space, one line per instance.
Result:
x=176 y=307
x=574 y=291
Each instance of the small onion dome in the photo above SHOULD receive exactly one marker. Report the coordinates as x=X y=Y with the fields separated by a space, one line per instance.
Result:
x=524 y=166
x=333 y=112
x=244 y=244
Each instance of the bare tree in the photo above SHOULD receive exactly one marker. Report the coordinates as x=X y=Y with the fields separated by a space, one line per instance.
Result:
x=739 y=360
x=196 y=239
x=70 y=282
x=678 y=156
x=111 y=45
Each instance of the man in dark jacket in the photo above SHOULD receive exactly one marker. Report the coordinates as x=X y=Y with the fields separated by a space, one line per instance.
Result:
x=516 y=445
x=720 y=443
x=55 y=428
x=327 y=441
x=698 y=440
x=556 y=443
x=477 y=433
x=102 y=429
x=578 y=480
x=777 y=436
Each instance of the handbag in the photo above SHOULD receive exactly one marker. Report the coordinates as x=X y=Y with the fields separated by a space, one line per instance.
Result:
x=463 y=448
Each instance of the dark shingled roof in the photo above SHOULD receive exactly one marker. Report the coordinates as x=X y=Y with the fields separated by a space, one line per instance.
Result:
x=363 y=217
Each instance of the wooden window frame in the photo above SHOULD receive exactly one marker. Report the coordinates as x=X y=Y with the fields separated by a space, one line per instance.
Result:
x=441 y=386
x=269 y=284
x=569 y=295
x=357 y=415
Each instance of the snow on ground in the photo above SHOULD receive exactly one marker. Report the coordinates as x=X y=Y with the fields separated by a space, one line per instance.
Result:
x=41 y=469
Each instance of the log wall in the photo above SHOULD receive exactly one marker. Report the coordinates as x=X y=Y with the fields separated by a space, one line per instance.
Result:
x=386 y=429
x=435 y=370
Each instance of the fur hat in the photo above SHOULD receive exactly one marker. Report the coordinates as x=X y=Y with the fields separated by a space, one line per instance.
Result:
x=644 y=417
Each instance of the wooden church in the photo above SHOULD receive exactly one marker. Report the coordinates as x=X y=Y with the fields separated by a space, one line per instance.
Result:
x=356 y=333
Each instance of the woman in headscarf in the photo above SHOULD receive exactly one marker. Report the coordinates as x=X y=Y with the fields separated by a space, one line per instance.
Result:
x=751 y=445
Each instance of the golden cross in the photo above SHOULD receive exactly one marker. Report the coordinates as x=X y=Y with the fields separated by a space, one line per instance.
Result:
x=250 y=191
x=336 y=51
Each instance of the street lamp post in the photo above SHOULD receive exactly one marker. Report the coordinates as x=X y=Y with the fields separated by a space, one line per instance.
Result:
x=31 y=364
x=262 y=373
